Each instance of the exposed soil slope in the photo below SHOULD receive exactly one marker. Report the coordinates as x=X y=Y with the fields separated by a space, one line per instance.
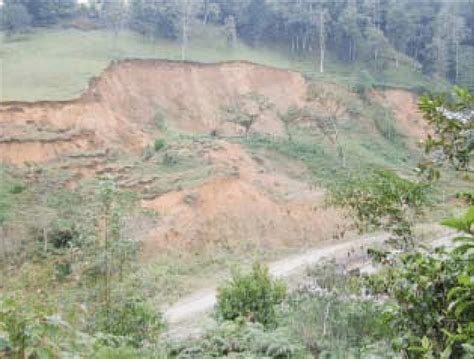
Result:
x=256 y=204
x=222 y=196
x=119 y=108
x=404 y=105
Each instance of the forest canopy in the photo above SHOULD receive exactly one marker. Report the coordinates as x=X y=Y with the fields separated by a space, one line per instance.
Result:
x=434 y=36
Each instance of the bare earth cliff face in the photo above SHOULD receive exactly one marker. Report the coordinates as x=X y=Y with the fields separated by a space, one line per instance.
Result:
x=121 y=104
x=243 y=199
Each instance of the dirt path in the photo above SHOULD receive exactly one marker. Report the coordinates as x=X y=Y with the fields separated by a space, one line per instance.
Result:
x=188 y=317
x=185 y=316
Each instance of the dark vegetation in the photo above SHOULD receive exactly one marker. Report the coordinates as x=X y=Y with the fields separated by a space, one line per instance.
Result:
x=378 y=35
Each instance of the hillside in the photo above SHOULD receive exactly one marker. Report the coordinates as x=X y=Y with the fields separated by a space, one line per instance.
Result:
x=185 y=179
x=208 y=165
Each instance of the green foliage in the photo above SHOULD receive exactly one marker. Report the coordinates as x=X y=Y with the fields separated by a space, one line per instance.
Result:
x=31 y=330
x=242 y=340
x=453 y=121
x=246 y=109
x=15 y=17
x=364 y=84
x=159 y=144
x=132 y=317
x=251 y=296
x=433 y=312
x=64 y=236
x=385 y=123
x=333 y=318
x=383 y=199
x=467 y=197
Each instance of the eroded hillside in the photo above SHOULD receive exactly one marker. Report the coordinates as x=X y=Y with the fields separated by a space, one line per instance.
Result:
x=120 y=107
x=208 y=181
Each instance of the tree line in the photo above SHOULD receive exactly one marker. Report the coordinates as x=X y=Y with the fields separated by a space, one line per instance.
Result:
x=435 y=36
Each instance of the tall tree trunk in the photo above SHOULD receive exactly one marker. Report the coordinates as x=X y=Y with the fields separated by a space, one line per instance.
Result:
x=206 y=12
x=350 y=50
x=457 y=62
x=354 y=48
x=184 y=40
x=376 y=58
x=322 y=41
x=415 y=56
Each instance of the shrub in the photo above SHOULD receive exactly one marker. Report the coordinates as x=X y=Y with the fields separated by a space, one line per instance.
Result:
x=383 y=199
x=433 y=313
x=64 y=236
x=30 y=330
x=17 y=188
x=242 y=340
x=131 y=317
x=331 y=316
x=251 y=296
x=159 y=144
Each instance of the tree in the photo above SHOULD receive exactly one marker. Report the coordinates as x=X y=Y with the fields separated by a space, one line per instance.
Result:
x=114 y=14
x=399 y=27
x=251 y=296
x=453 y=124
x=211 y=12
x=450 y=32
x=382 y=199
x=377 y=45
x=247 y=109
x=329 y=121
x=230 y=31
x=322 y=19
x=349 y=26
x=48 y=12
x=15 y=18
x=156 y=18
x=433 y=312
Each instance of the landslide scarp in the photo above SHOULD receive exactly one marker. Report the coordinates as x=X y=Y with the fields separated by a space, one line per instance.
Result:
x=127 y=104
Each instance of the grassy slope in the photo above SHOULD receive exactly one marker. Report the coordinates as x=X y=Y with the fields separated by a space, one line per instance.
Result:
x=56 y=64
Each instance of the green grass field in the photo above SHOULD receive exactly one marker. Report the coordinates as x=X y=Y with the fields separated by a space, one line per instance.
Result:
x=56 y=64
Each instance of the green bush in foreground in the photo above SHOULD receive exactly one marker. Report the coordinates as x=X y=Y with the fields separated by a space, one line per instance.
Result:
x=251 y=296
x=242 y=340
x=333 y=318
x=433 y=311
x=131 y=318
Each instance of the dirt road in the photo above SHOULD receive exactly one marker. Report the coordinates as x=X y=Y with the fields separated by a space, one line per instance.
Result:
x=191 y=309
x=188 y=316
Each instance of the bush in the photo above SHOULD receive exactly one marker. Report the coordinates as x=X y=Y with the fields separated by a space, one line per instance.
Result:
x=64 y=236
x=31 y=330
x=251 y=296
x=242 y=340
x=159 y=144
x=332 y=318
x=433 y=313
x=17 y=188
x=130 y=317
x=383 y=199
